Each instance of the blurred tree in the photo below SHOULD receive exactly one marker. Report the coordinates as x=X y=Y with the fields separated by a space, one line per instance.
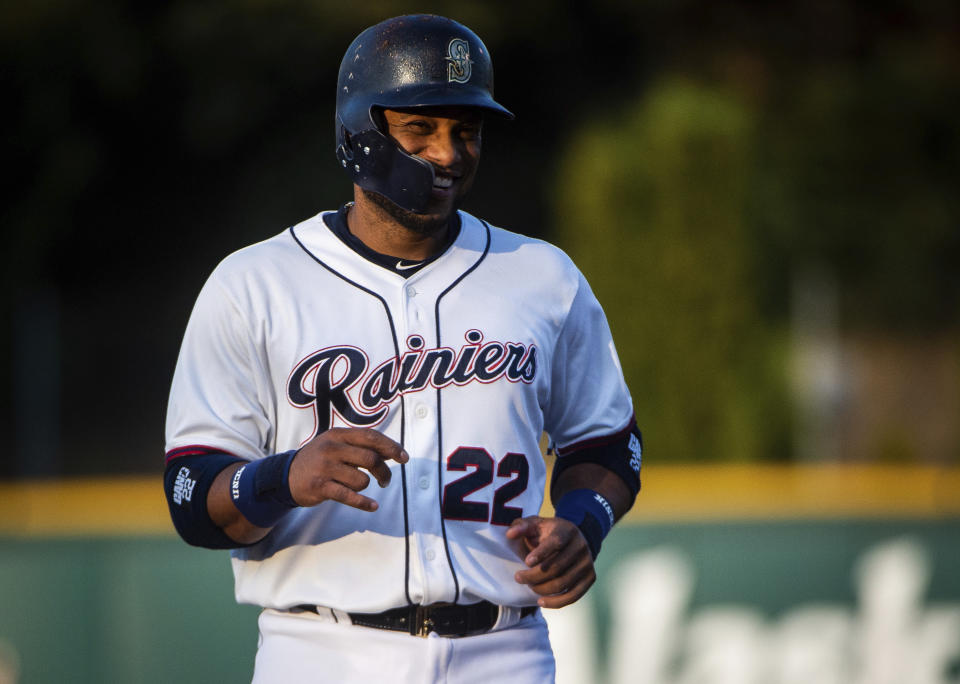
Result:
x=144 y=141
x=653 y=207
x=862 y=170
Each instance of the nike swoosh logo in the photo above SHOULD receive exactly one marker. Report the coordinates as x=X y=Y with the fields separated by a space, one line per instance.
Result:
x=406 y=267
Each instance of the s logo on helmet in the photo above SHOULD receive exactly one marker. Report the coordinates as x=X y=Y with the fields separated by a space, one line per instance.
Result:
x=458 y=56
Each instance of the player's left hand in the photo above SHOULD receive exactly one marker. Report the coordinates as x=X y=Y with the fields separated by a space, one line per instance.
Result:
x=561 y=567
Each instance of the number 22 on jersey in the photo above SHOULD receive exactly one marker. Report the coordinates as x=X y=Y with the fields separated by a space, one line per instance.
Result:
x=513 y=467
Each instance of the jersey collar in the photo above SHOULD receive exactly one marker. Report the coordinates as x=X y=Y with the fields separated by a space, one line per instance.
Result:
x=337 y=223
x=468 y=249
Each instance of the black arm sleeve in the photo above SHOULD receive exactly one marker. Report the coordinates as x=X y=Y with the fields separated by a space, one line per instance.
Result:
x=186 y=483
x=620 y=453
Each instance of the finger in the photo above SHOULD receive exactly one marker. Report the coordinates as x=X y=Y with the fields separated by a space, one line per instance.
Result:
x=334 y=491
x=360 y=457
x=549 y=545
x=347 y=475
x=561 y=563
x=558 y=583
x=574 y=593
x=579 y=576
x=522 y=527
x=372 y=439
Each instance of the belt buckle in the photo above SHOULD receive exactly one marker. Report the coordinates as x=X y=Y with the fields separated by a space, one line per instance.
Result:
x=422 y=623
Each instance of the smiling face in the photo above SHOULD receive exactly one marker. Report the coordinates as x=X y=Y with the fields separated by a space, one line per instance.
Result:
x=448 y=138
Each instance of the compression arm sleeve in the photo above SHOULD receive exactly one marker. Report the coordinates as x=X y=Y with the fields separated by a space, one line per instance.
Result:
x=621 y=453
x=186 y=482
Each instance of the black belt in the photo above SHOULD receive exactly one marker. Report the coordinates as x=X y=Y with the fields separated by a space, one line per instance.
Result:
x=446 y=619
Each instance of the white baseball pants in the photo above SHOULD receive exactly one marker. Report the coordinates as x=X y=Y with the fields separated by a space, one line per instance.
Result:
x=296 y=648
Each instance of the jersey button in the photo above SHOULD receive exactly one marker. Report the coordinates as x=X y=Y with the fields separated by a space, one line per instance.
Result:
x=423 y=482
x=422 y=411
x=430 y=554
x=412 y=291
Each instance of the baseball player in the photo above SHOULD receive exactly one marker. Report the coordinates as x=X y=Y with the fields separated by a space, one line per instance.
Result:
x=358 y=402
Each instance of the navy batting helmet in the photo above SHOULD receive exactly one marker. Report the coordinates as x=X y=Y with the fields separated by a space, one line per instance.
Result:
x=418 y=60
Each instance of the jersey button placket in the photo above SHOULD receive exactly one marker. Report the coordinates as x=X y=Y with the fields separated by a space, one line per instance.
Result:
x=421 y=436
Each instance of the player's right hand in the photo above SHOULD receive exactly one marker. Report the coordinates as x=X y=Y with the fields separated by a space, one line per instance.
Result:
x=330 y=467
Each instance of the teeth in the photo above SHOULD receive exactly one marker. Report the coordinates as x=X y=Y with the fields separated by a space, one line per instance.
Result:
x=442 y=182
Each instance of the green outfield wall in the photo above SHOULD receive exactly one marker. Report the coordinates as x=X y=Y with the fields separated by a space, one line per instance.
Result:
x=121 y=610
x=785 y=602
x=782 y=592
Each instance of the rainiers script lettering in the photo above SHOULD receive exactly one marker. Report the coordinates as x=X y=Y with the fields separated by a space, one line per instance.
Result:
x=339 y=380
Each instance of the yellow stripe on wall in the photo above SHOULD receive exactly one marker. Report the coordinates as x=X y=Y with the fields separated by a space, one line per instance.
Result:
x=121 y=505
x=711 y=492
x=136 y=505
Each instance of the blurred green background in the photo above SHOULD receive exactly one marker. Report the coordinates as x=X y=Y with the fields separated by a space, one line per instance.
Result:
x=744 y=602
x=759 y=193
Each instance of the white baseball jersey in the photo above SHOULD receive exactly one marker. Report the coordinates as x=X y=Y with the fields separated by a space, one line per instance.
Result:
x=464 y=363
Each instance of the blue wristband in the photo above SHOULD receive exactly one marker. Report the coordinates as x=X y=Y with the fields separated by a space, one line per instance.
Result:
x=590 y=512
x=261 y=489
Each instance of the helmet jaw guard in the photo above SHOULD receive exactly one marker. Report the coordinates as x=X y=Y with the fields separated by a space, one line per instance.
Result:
x=378 y=164
x=404 y=62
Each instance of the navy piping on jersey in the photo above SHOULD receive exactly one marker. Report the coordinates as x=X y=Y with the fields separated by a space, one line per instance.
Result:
x=396 y=347
x=403 y=472
x=443 y=525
